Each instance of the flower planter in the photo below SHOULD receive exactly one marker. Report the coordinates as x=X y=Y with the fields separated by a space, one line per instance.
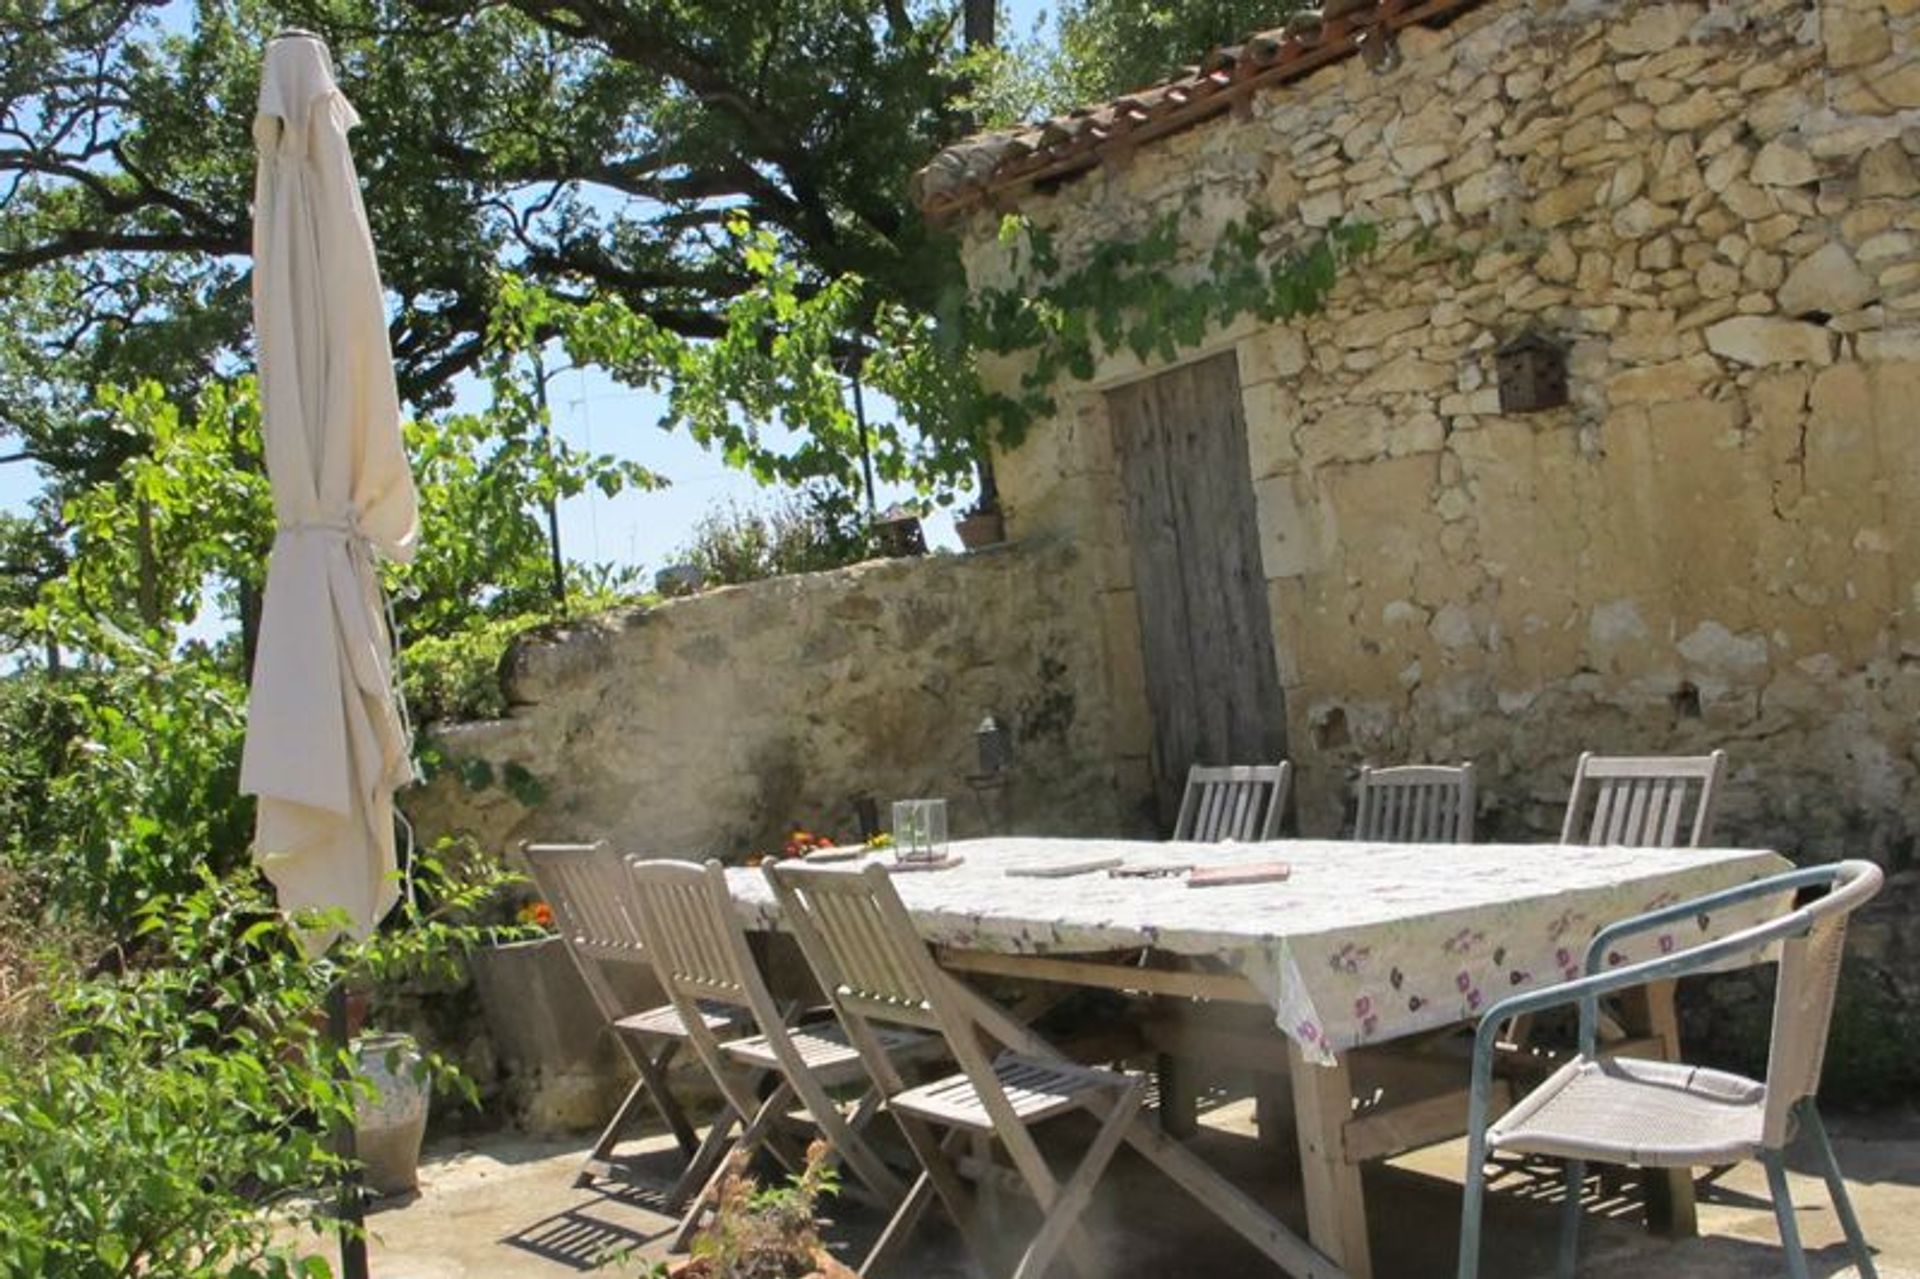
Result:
x=897 y=533
x=559 y=1069
x=982 y=528
x=389 y=1125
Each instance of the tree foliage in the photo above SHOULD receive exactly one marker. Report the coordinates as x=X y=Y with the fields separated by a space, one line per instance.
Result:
x=1111 y=47
x=597 y=150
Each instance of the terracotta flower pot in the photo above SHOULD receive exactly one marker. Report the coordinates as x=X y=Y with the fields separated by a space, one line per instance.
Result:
x=982 y=528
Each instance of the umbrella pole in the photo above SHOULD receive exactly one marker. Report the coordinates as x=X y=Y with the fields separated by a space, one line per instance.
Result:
x=350 y=1207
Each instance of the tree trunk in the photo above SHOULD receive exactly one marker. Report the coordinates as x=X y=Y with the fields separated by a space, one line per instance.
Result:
x=978 y=23
x=148 y=589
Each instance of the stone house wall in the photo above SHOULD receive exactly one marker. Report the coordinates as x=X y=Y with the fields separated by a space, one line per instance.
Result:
x=705 y=726
x=1714 y=544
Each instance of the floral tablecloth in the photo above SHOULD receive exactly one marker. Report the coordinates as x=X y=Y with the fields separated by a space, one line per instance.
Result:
x=1362 y=943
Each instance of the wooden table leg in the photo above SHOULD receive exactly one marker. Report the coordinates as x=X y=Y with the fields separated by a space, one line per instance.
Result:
x=1670 y=1206
x=1179 y=1096
x=1336 y=1207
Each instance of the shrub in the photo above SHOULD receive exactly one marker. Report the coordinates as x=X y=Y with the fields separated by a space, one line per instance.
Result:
x=182 y=1088
x=764 y=1234
x=804 y=533
x=447 y=678
x=124 y=782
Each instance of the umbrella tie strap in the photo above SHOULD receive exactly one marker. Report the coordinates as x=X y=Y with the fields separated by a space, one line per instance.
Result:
x=349 y=530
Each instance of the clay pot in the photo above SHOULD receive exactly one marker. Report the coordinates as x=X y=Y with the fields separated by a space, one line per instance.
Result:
x=982 y=528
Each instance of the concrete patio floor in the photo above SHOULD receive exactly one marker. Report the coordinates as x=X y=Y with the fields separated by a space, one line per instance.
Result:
x=507 y=1206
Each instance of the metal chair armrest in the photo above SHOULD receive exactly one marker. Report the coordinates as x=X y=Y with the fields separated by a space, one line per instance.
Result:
x=1586 y=991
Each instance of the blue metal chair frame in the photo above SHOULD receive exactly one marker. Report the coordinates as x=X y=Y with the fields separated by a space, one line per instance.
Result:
x=1587 y=991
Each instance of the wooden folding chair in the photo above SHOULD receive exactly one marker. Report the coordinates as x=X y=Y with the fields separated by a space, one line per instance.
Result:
x=1643 y=802
x=1241 y=802
x=585 y=885
x=1415 y=804
x=701 y=957
x=867 y=955
x=1639 y=802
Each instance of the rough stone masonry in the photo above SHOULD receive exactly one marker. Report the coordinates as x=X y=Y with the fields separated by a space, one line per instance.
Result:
x=1714 y=544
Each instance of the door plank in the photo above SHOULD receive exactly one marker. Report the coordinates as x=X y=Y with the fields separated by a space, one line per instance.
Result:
x=1213 y=683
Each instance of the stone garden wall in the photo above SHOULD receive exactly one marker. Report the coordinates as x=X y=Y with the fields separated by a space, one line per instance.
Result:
x=1714 y=544
x=707 y=726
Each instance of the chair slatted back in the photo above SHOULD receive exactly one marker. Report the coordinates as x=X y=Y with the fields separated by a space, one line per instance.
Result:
x=891 y=977
x=1656 y=802
x=701 y=953
x=585 y=887
x=874 y=964
x=868 y=966
x=1416 y=804
x=698 y=946
x=1241 y=802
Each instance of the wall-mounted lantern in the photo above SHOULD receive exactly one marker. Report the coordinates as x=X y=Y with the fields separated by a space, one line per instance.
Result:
x=993 y=784
x=994 y=745
x=1532 y=371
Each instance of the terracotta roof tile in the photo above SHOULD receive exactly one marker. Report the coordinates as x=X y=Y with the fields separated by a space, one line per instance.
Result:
x=970 y=171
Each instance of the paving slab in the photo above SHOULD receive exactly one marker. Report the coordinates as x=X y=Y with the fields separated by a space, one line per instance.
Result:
x=506 y=1206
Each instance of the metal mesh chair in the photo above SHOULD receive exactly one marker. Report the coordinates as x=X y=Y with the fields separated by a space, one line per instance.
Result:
x=701 y=957
x=1416 y=804
x=1643 y=802
x=1241 y=802
x=585 y=886
x=1670 y=1115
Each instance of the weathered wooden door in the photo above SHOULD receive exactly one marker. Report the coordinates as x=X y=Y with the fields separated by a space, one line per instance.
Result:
x=1213 y=685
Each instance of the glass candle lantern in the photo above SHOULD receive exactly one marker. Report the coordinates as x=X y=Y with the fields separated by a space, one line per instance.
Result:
x=920 y=829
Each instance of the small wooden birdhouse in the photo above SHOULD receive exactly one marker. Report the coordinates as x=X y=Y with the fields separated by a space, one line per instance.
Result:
x=1532 y=371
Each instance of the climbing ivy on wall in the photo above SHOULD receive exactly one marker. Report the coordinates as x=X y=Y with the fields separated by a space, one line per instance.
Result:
x=1132 y=295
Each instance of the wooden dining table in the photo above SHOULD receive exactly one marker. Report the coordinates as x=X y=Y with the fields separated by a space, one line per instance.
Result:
x=1358 y=952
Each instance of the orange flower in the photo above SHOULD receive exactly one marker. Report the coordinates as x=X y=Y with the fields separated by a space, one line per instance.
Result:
x=537 y=914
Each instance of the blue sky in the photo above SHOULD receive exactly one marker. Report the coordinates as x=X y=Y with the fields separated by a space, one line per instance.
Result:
x=593 y=412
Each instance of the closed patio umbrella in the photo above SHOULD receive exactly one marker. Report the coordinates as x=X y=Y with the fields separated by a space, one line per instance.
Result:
x=327 y=741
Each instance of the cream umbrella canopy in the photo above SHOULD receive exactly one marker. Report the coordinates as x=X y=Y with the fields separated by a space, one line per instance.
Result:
x=327 y=740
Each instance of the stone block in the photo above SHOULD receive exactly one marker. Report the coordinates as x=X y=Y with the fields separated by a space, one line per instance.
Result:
x=1854 y=37
x=1899 y=88
x=1279 y=352
x=1887 y=170
x=1273 y=414
x=1659 y=383
x=1757 y=340
x=1653 y=29
x=1784 y=162
x=1406 y=373
x=1289 y=518
x=1564 y=203
x=1826 y=281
